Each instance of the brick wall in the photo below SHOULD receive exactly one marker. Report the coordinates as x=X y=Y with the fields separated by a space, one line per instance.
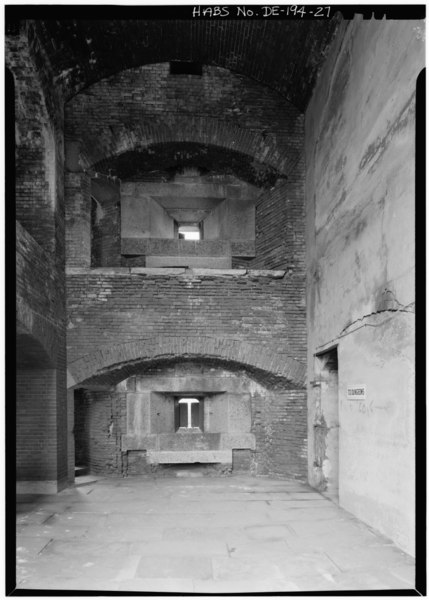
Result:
x=39 y=151
x=279 y=423
x=36 y=417
x=109 y=308
x=100 y=419
x=43 y=402
x=78 y=219
x=280 y=227
x=39 y=202
x=37 y=280
x=123 y=122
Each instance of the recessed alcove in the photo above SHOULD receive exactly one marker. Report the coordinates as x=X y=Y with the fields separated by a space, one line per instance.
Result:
x=189 y=221
x=180 y=414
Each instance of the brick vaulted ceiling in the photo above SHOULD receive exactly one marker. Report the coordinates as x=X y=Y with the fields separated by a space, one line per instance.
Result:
x=283 y=55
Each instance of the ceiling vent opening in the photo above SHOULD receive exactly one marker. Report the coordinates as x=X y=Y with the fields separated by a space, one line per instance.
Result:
x=178 y=67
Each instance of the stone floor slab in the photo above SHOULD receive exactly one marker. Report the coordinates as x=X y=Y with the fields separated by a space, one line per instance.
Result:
x=367 y=556
x=177 y=567
x=183 y=548
x=245 y=568
x=258 y=548
x=268 y=533
x=229 y=535
x=173 y=585
x=30 y=545
x=243 y=586
x=206 y=535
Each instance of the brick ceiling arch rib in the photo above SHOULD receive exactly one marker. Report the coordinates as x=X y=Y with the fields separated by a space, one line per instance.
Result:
x=114 y=364
x=162 y=161
x=283 y=55
x=147 y=105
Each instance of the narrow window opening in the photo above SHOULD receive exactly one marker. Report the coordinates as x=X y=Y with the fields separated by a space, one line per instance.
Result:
x=189 y=414
x=187 y=231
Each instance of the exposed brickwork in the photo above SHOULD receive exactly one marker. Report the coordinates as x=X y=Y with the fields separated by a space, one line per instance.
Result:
x=280 y=229
x=280 y=427
x=146 y=106
x=278 y=421
x=145 y=119
x=39 y=152
x=283 y=55
x=106 y=224
x=217 y=158
x=78 y=219
x=108 y=367
x=222 y=123
x=100 y=421
x=81 y=434
x=261 y=311
x=37 y=446
x=41 y=392
x=37 y=280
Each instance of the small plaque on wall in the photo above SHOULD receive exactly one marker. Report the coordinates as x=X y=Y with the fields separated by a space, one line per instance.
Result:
x=356 y=392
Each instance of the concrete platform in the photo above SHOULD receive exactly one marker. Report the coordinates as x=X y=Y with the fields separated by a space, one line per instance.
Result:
x=206 y=535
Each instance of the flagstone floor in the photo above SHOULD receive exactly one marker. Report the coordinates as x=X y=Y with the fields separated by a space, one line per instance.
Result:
x=200 y=535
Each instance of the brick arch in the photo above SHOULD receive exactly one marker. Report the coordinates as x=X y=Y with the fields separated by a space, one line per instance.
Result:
x=115 y=360
x=283 y=55
x=210 y=131
x=137 y=108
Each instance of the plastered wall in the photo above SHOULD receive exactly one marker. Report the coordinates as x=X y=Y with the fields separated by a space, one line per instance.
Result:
x=360 y=150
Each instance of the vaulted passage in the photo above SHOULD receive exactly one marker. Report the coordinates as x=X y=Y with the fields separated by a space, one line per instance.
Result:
x=215 y=279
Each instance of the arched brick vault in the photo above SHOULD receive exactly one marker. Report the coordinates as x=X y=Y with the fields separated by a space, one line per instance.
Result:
x=114 y=364
x=138 y=109
x=163 y=161
x=283 y=55
x=201 y=131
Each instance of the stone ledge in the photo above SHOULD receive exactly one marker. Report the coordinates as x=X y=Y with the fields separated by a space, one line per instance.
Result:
x=171 y=271
x=202 y=456
x=217 y=272
x=98 y=271
x=158 y=271
x=226 y=441
x=189 y=262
